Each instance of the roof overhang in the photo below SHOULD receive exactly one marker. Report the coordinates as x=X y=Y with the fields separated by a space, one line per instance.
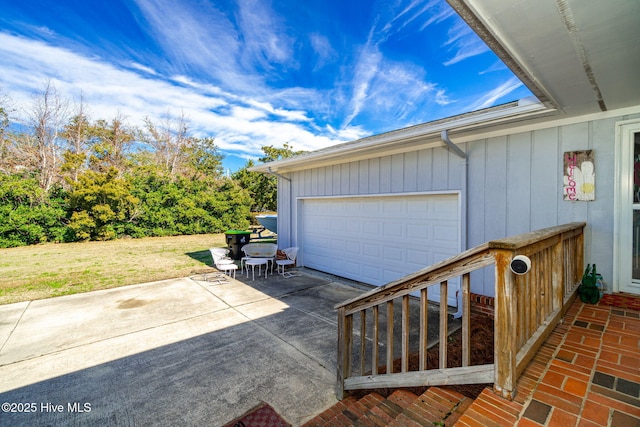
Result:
x=580 y=57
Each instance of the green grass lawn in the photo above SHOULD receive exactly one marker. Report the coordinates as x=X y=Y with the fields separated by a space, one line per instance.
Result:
x=50 y=270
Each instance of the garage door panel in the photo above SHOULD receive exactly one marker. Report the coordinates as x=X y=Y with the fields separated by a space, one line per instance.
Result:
x=371 y=250
x=391 y=230
x=369 y=273
x=336 y=208
x=390 y=274
x=369 y=227
x=318 y=241
x=337 y=246
x=352 y=226
x=377 y=240
x=353 y=248
x=418 y=231
x=392 y=207
x=391 y=254
x=353 y=267
x=370 y=208
x=353 y=208
x=445 y=232
x=419 y=257
x=419 y=208
x=336 y=226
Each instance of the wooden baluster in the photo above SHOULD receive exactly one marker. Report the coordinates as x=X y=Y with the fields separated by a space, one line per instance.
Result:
x=530 y=303
x=389 y=337
x=363 y=339
x=374 y=355
x=405 y=333
x=424 y=325
x=444 y=317
x=466 y=319
x=557 y=276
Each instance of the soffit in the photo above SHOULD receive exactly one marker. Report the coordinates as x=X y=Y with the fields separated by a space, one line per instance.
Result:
x=579 y=56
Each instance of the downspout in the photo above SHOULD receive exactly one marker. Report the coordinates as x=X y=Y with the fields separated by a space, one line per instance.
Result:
x=444 y=135
x=277 y=174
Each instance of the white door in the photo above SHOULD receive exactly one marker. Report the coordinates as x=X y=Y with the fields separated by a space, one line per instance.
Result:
x=379 y=239
x=627 y=206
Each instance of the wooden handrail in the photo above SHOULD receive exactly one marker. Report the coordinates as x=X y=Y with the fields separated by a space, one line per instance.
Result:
x=527 y=309
x=464 y=262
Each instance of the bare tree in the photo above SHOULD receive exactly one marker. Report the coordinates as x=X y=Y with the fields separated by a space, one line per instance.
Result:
x=77 y=133
x=46 y=119
x=170 y=142
x=111 y=144
x=5 y=109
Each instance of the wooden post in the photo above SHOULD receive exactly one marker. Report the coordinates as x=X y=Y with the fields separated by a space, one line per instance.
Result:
x=505 y=334
x=345 y=333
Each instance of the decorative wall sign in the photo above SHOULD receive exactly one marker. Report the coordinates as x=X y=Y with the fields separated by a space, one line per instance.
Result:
x=579 y=182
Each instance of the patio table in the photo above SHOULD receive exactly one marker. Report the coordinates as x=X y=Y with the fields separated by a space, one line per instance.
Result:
x=252 y=262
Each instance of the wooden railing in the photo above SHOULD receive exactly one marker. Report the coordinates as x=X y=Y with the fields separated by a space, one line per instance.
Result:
x=527 y=308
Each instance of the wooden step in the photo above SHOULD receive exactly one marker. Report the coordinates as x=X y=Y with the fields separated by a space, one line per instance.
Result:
x=401 y=409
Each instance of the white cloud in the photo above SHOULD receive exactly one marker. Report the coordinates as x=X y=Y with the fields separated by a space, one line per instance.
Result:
x=241 y=74
x=490 y=98
x=496 y=66
x=143 y=68
x=323 y=50
x=264 y=40
x=366 y=68
x=239 y=125
x=464 y=42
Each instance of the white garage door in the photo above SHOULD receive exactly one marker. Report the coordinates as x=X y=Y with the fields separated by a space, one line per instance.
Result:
x=376 y=240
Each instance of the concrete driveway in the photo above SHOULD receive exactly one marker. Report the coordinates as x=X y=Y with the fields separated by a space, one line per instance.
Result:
x=177 y=352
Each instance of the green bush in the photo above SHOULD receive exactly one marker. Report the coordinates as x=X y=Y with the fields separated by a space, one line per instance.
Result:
x=185 y=206
x=100 y=202
x=106 y=206
x=29 y=216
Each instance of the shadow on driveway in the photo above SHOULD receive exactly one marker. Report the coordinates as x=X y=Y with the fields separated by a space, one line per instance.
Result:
x=176 y=352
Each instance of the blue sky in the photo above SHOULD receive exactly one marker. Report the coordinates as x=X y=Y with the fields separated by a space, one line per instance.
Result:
x=251 y=73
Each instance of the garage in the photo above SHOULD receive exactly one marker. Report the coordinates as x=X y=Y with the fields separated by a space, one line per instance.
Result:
x=378 y=239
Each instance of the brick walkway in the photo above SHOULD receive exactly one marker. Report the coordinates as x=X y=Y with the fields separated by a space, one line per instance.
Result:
x=586 y=374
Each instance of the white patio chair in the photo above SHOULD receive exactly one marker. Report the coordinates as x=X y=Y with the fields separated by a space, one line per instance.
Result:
x=291 y=254
x=222 y=262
